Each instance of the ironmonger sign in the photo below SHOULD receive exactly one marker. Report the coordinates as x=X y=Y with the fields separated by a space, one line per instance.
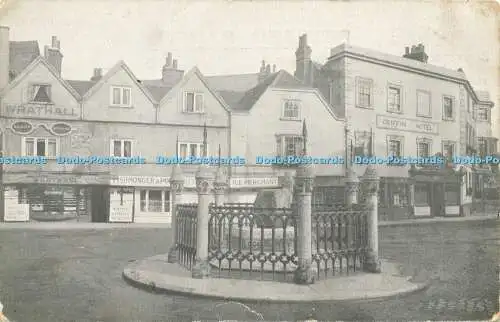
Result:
x=401 y=124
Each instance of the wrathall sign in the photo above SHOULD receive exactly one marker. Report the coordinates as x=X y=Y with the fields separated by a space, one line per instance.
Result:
x=39 y=110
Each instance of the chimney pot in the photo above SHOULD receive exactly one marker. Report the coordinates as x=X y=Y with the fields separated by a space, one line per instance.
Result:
x=54 y=42
x=174 y=64
x=58 y=44
x=413 y=48
x=274 y=68
x=268 y=69
x=168 y=62
x=407 y=50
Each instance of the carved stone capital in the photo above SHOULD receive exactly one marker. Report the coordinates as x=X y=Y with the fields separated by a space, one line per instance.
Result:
x=352 y=187
x=204 y=180
x=220 y=187
x=176 y=186
x=304 y=184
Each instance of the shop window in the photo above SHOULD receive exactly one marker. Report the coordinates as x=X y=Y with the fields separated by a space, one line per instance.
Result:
x=422 y=194
x=452 y=192
x=42 y=147
x=155 y=200
x=398 y=196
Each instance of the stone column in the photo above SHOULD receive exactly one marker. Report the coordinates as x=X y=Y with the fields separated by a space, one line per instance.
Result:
x=204 y=186
x=411 y=197
x=352 y=187
x=371 y=183
x=176 y=186
x=220 y=187
x=304 y=183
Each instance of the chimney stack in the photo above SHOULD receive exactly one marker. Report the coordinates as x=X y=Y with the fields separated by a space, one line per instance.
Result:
x=274 y=68
x=264 y=71
x=53 y=54
x=4 y=56
x=170 y=74
x=303 y=62
x=268 y=69
x=417 y=53
x=97 y=75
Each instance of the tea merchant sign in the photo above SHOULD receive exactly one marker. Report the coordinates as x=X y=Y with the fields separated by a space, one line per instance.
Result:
x=39 y=110
x=401 y=124
x=61 y=128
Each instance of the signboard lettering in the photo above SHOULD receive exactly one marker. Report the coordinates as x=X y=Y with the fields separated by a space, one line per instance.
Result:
x=40 y=110
x=15 y=211
x=22 y=127
x=145 y=181
x=253 y=182
x=61 y=128
x=408 y=125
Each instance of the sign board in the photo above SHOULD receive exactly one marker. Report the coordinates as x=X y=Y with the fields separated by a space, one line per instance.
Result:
x=121 y=205
x=254 y=182
x=407 y=125
x=72 y=179
x=147 y=181
x=14 y=211
x=39 y=110
x=22 y=127
x=422 y=211
x=61 y=128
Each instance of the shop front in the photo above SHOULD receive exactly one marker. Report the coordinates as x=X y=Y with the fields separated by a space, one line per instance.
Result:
x=54 y=196
x=436 y=192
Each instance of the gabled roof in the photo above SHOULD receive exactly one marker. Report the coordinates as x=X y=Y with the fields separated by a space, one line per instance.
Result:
x=281 y=79
x=21 y=54
x=194 y=72
x=158 y=92
x=237 y=82
x=81 y=86
x=25 y=72
x=120 y=65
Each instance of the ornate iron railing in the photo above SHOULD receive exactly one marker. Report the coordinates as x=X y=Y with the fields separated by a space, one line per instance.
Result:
x=186 y=233
x=339 y=238
x=243 y=244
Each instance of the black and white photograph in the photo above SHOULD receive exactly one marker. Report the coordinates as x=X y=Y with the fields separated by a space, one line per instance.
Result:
x=239 y=160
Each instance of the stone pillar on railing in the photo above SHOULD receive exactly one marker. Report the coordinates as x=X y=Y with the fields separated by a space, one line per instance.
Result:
x=220 y=187
x=176 y=186
x=304 y=182
x=351 y=187
x=370 y=187
x=204 y=186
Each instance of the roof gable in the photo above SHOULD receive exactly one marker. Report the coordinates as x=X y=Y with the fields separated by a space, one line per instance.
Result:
x=118 y=66
x=35 y=63
x=194 y=72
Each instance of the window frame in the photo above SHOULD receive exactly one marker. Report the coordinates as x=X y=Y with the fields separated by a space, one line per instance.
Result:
x=164 y=193
x=398 y=138
x=418 y=112
x=453 y=108
x=284 y=107
x=281 y=147
x=367 y=138
x=444 y=153
x=427 y=141
x=188 y=146
x=486 y=110
x=122 y=89
x=195 y=95
x=32 y=94
x=399 y=88
x=122 y=148
x=35 y=139
x=369 y=81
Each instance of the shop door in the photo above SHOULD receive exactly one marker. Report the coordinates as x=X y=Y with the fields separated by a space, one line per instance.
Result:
x=438 y=199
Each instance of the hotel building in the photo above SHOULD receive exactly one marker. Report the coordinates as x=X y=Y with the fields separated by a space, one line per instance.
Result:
x=404 y=106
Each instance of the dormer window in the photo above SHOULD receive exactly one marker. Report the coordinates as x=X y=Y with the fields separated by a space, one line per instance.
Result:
x=121 y=96
x=291 y=110
x=193 y=102
x=41 y=93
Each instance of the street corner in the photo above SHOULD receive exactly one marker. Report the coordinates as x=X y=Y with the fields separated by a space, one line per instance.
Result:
x=158 y=276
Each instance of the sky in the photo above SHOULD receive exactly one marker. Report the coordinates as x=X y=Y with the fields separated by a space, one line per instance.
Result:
x=232 y=37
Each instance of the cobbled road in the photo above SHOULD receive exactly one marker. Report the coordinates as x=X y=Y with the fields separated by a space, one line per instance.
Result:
x=75 y=275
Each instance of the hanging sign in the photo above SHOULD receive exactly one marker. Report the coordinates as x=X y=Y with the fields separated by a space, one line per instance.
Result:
x=61 y=128
x=22 y=127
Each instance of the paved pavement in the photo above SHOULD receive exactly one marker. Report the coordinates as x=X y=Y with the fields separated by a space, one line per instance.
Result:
x=75 y=275
x=156 y=271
